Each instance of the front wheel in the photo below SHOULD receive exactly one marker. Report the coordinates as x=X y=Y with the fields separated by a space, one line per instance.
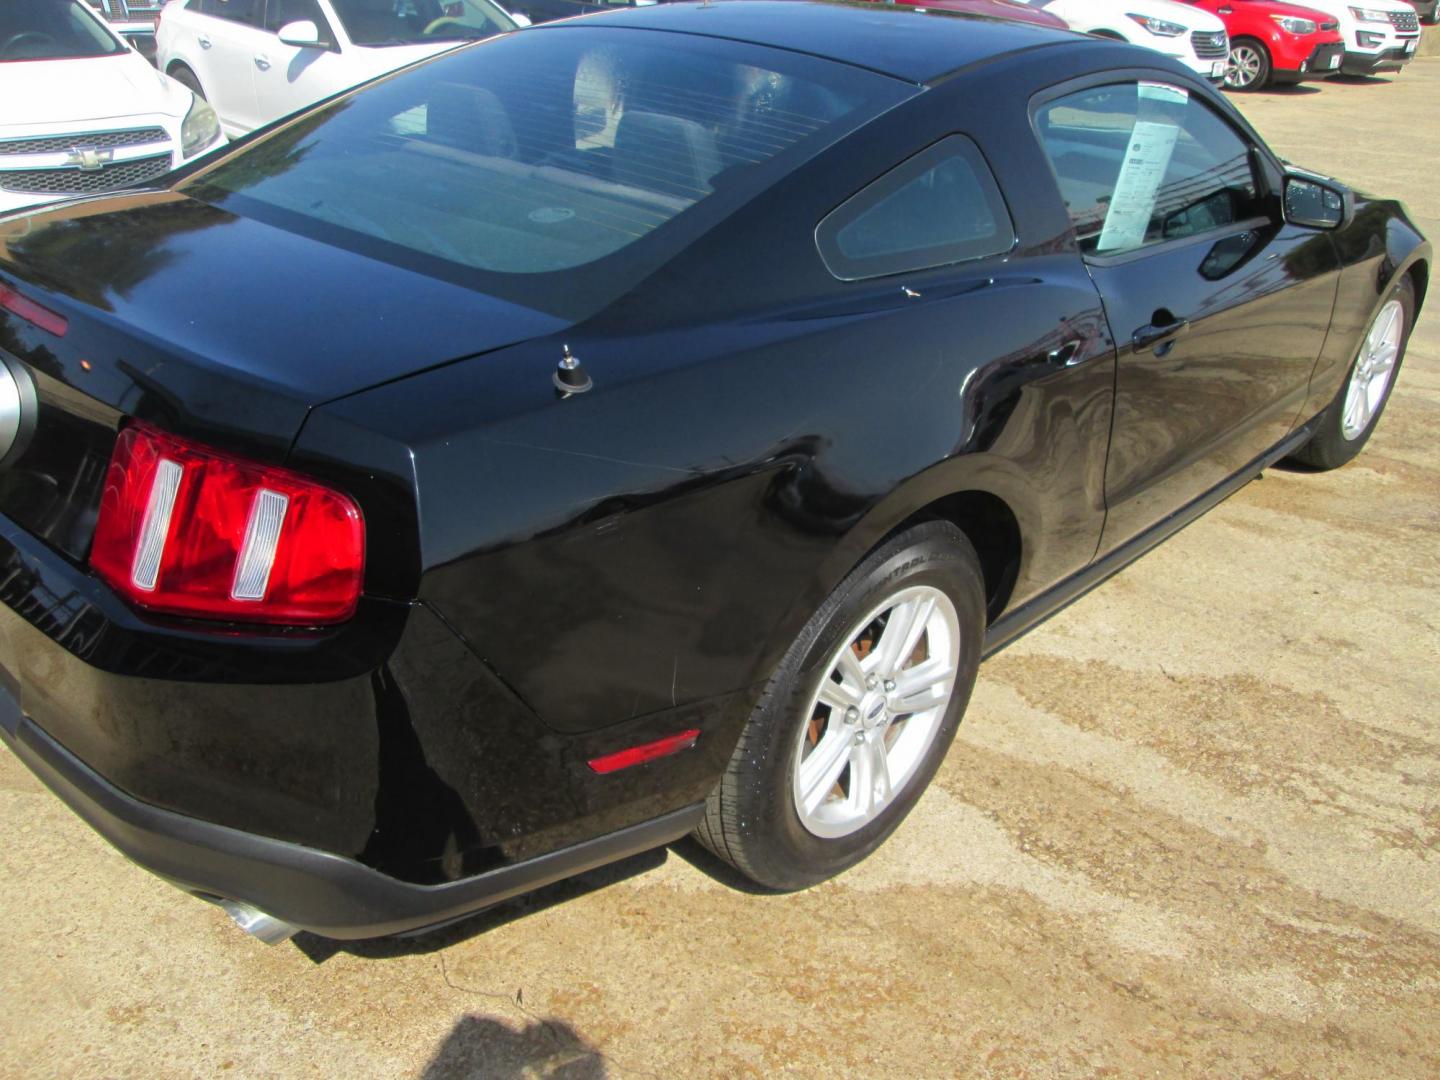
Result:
x=857 y=717
x=1347 y=423
x=1249 y=67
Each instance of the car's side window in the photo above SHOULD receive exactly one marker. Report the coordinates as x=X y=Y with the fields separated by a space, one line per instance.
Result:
x=1142 y=163
x=940 y=207
x=250 y=12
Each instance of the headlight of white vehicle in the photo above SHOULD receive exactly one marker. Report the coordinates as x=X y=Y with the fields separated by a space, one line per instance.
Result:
x=200 y=129
x=1158 y=27
x=1296 y=25
x=1370 y=14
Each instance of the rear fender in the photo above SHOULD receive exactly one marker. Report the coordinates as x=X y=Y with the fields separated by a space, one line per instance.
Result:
x=982 y=472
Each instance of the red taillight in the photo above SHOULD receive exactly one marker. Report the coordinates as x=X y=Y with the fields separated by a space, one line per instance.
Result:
x=636 y=755
x=32 y=312
x=188 y=530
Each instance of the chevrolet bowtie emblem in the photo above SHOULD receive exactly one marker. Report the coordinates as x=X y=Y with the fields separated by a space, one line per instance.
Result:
x=89 y=158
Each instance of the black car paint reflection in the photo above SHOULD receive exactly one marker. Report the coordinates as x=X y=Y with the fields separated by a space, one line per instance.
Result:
x=550 y=578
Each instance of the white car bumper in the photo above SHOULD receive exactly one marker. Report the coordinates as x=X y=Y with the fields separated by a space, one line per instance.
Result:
x=1376 y=46
x=1209 y=69
x=43 y=163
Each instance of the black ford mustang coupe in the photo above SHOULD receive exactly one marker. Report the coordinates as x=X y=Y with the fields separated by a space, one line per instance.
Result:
x=630 y=427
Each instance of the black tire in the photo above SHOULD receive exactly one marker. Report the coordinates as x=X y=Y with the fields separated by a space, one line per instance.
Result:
x=186 y=78
x=1262 y=57
x=1108 y=35
x=751 y=820
x=1328 y=448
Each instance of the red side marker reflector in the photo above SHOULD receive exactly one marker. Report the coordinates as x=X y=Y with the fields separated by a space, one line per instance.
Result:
x=32 y=312
x=635 y=755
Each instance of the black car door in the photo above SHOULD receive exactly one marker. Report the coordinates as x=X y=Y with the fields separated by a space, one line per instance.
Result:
x=1219 y=308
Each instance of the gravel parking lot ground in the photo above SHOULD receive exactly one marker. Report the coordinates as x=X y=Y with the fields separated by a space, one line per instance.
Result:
x=1190 y=827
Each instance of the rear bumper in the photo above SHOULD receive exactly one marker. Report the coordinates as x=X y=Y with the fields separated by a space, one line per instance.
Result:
x=359 y=783
x=318 y=891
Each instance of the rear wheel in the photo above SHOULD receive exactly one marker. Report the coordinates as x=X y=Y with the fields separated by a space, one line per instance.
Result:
x=186 y=78
x=1249 y=67
x=857 y=716
x=1349 y=420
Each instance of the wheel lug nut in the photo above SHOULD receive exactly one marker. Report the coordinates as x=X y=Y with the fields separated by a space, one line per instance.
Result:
x=872 y=681
x=852 y=715
x=889 y=686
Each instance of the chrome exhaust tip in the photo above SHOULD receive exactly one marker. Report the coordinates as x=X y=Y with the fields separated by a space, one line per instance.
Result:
x=257 y=924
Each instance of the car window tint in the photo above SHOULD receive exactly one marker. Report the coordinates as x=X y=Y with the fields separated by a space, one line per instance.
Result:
x=241 y=11
x=940 y=207
x=1141 y=163
x=557 y=155
x=405 y=22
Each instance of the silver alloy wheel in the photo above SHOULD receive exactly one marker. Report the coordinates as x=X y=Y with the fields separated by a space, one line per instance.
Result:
x=1374 y=368
x=1244 y=66
x=879 y=704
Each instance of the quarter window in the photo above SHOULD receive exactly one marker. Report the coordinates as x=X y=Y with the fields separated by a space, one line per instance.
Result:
x=1142 y=163
x=940 y=207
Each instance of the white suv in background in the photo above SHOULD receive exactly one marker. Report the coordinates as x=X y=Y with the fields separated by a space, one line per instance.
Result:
x=1194 y=37
x=81 y=112
x=1380 y=35
x=258 y=60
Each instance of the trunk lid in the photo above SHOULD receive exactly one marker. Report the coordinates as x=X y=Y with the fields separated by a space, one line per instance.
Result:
x=249 y=302
x=209 y=325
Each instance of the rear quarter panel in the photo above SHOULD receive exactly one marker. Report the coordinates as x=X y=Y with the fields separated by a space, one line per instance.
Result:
x=755 y=427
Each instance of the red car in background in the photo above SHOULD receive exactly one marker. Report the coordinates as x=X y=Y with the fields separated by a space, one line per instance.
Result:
x=1272 y=42
x=995 y=9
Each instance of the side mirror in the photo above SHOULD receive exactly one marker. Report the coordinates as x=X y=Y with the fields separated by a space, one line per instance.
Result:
x=302 y=33
x=1309 y=202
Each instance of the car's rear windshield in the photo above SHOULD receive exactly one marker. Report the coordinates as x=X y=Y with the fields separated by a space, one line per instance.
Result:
x=52 y=30
x=418 y=22
x=554 y=167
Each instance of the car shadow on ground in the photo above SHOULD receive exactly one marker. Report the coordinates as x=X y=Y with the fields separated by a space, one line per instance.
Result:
x=319 y=949
x=482 y=1047
x=1300 y=89
x=1362 y=80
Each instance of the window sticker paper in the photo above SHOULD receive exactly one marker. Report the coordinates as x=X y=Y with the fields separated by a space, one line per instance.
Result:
x=1131 y=207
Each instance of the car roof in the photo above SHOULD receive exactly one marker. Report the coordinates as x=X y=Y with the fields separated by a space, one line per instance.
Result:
x=896 y=40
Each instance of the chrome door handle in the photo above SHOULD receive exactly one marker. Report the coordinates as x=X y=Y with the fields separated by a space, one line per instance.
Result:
x=204 y=41
x=1067 y=355
x=262 y=62
x=1157 y=337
